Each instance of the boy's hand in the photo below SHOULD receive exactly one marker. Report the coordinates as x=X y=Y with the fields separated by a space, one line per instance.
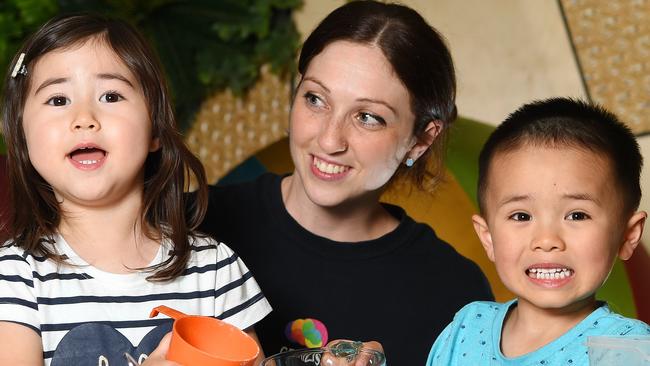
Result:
x=157 y=357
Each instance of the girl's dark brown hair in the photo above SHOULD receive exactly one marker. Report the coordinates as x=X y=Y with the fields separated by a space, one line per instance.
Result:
x=35 y=212
x=420 y=59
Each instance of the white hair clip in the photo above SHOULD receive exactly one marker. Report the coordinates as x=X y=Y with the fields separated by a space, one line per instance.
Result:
x=19 y=68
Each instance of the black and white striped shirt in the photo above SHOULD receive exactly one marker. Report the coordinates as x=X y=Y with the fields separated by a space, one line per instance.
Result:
x=55 y=299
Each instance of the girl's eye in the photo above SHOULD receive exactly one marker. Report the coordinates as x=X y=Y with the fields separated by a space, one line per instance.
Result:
x=520 y=216
x=111 y=97
x=371 y=120
x=313 y=99
x=577 y=216
x=58 y=101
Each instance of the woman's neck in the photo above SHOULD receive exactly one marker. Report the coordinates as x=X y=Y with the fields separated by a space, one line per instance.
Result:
x=528 y=327
x=110 y=238
x=356 y=220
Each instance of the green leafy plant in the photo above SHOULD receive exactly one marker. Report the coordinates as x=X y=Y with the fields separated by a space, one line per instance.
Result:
x=18 y=18
x=204 y=45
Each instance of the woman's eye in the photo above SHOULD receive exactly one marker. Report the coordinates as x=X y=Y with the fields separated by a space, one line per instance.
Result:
x=520 y=216
x=111 y=97
x=371 y=119
x=313 y=100
x=58 y=101
x=577 y=216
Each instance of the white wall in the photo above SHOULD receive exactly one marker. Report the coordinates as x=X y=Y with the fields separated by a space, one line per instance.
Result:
x=507 y=52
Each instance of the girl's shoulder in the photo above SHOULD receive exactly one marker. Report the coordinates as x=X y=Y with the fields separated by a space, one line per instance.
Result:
x=9 y=246
x=206 y=248
x=9 y=251
x=15 y=260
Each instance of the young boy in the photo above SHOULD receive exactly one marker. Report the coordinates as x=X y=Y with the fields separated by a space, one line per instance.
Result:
x=558 y=193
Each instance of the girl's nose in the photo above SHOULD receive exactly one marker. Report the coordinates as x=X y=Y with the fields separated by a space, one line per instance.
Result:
x=82 y=125
x=333 y=138
x=85 y=120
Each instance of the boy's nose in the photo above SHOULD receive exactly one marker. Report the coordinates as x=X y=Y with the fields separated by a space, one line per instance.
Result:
x=548 y=241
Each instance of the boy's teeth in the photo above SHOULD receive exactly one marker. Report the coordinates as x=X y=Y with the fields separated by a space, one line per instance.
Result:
x=549 y=273
x=328 y=168
x=88 y=162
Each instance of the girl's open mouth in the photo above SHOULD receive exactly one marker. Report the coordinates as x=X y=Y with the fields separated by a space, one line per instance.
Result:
x=87 y=157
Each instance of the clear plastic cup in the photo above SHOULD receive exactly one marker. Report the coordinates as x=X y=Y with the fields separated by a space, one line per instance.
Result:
x=619 y=350
x=343 y=353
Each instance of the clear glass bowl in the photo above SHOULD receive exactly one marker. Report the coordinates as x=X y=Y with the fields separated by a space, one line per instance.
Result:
x=341 y=354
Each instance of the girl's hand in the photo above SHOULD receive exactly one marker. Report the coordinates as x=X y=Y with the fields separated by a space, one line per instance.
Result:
x=251 y=332
x=157 y=357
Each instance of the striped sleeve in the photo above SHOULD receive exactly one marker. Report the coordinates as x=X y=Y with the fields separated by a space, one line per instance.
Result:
x=238 y=297
x=18 y=301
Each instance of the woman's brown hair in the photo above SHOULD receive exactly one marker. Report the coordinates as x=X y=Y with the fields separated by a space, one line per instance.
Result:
x=420 y=59
x=35 y=213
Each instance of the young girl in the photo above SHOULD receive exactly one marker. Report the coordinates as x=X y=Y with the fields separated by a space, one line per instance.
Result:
x=98 y=235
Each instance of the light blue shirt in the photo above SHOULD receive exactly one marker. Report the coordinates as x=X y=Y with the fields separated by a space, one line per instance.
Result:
x=474 y=338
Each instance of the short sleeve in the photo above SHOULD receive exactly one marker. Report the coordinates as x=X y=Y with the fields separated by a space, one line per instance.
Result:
x=467 y=340
x=440 y=350
x=632 y=327
x=18 y=302
x=239 y=299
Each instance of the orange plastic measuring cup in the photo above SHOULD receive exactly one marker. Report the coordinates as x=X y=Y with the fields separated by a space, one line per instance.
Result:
x=205 y=341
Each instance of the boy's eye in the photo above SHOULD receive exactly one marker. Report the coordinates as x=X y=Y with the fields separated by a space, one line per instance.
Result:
x=520 y=216
x=577 y=216
x=371 y=120
x=58 y=101
x=111 y=97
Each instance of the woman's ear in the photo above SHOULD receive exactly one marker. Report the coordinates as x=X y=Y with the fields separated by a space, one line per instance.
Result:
x=633 y=233
x=155 y=144
x=425 y=140
x=483 y=232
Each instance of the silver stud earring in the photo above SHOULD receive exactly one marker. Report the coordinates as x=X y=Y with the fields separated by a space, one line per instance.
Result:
x=410 y=162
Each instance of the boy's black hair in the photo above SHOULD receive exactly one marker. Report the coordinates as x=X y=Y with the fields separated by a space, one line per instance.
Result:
x=566 y=122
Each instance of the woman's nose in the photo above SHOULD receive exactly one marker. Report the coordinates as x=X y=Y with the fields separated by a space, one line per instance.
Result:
x=333 y=137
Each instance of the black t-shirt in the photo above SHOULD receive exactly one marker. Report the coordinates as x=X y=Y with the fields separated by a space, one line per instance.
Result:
x=401 y=289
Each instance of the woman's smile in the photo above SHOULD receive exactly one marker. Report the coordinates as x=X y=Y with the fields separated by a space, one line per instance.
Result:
x=328 y=170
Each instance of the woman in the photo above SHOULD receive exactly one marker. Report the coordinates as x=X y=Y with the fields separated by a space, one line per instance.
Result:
x=373 y=106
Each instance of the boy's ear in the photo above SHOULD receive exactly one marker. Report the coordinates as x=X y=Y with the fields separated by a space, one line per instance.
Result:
x=483 y=232
x=425 y=140
x=632 y=235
